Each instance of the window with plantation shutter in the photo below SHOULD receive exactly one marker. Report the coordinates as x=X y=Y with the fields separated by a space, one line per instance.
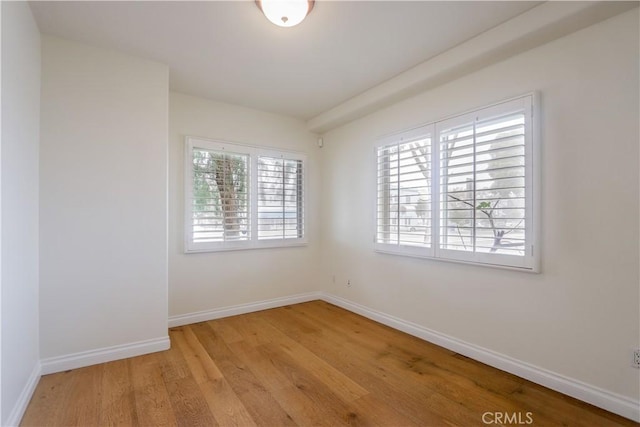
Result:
x=483 y=185
x=280 y=197
x=242 y=197
x=403 y=201
x=480 y=174
x=220 y=198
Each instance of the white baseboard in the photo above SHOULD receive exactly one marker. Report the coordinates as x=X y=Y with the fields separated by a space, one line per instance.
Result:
x=25 y=396
x=596 y=396
x=218 y=313
x=103 y=355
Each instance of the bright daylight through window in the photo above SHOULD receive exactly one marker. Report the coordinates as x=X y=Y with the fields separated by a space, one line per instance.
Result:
x=242 y=197
x=461 y=189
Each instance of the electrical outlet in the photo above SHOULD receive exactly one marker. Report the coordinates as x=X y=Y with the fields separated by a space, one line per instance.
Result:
x=333 y=279
x=635 y=362
x=348 y=283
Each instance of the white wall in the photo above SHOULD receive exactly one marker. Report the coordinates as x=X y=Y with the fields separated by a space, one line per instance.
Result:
x=207 y=281
x=580 y=316
x=103 y=204
x=103 y=183
x=20 y=139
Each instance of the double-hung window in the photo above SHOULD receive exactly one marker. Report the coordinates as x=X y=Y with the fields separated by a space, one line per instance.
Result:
x=242 y=197
x=462 y=189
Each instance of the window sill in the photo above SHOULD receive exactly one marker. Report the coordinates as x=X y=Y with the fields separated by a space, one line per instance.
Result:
x=416 y=254
x=249 y=246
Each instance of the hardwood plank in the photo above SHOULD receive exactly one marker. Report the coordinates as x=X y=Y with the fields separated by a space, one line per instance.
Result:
x=305 y=364
x=262 y=407
x=224 y=404
x=189 y=406
x=226 y=329
x=288 y=386
x=339 y=383
x=381 y=413
x=84 y=399
x=364 y=372
x=49 y=399
x=153 y=406
x=118 y=405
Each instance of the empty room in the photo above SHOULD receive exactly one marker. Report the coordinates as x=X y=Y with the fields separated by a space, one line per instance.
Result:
x=299 y=213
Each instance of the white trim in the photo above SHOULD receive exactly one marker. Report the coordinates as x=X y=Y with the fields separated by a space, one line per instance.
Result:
x=234 y=310
x=536 y=179
x=613 y=402
x=103 y=355
x=15 y=416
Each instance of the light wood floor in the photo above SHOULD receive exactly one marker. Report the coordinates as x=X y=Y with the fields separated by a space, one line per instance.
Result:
x=306 y=364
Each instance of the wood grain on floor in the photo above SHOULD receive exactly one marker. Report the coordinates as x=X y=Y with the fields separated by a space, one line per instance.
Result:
x=306 y=364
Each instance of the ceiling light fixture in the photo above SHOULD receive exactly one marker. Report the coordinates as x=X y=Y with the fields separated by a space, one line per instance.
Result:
x=285 y=13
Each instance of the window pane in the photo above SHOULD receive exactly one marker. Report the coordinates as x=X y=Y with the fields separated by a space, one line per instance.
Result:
x=482 y=185
x=280 y=198
x=404 y=193
x=220 y=196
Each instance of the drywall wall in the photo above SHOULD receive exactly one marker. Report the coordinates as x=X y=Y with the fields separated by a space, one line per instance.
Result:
x=580 y=316
x=103 y=204
x=20 y=139
x=208 y=281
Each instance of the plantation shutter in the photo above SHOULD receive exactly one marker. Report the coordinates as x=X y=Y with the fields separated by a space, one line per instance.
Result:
x=242 y=197
x=219 y=196
x=403 y=200
x=461 y=189
x=484 y=185
x=280 y=198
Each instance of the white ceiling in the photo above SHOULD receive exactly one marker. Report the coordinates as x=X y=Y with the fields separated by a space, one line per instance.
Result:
x=229 y=52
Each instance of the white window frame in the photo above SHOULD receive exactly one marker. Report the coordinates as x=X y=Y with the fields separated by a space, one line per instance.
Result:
x=253 y=153
x=530 y=261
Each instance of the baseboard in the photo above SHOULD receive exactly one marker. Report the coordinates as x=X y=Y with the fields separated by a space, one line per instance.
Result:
x=102 y=355
x=596 y=396
x=25 y=396
x=218 y=313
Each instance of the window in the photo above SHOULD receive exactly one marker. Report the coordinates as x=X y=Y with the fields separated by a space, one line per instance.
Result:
x=242 y=197
x=461 y=189
x=280 y=207
x=404 y=192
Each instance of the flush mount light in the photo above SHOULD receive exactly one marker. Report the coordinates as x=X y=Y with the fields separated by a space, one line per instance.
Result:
x=285 y=13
